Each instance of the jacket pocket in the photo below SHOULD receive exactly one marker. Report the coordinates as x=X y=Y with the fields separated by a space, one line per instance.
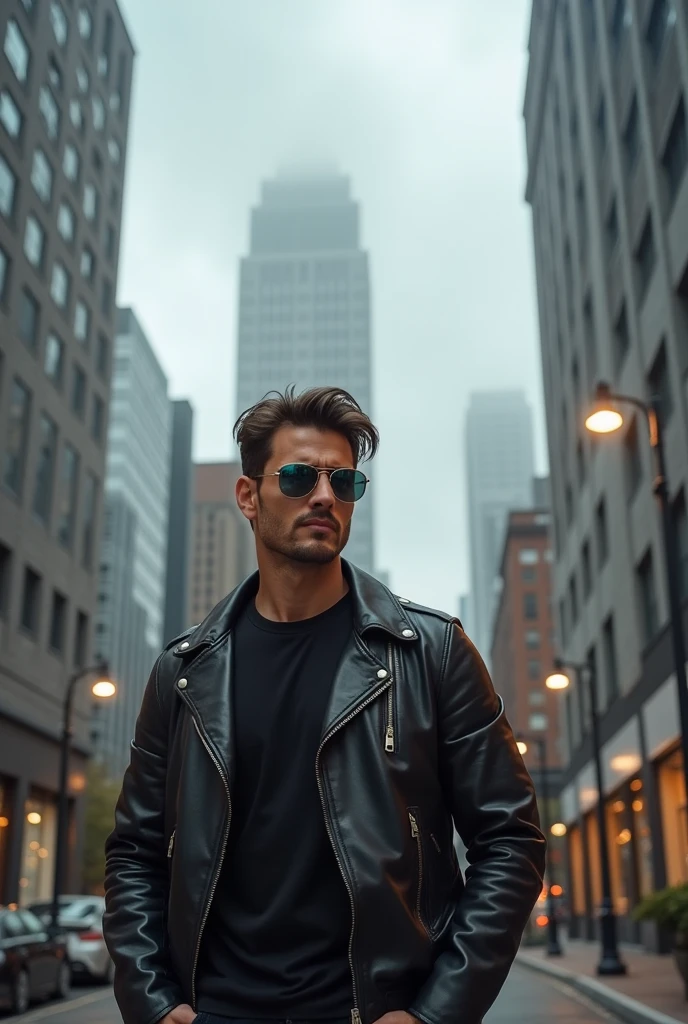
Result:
x=422 y=867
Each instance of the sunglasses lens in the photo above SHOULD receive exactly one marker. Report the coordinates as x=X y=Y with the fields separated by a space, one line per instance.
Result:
x=297 y=480
x=348 y=484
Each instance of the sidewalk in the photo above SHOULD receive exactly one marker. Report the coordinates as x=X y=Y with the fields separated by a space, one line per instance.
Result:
x=651 y=993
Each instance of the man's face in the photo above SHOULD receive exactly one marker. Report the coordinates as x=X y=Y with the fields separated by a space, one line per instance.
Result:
x=313 y=529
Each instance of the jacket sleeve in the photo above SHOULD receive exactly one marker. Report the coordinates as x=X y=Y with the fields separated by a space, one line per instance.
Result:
x=136 y=881
x=493 y=804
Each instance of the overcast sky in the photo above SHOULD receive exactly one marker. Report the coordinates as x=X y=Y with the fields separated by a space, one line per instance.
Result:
x=419 y=102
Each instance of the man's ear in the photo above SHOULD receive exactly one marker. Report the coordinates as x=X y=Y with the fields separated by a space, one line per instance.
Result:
x=247 y=498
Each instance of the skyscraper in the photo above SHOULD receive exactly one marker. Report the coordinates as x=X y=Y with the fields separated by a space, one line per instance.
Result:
x=133 y=562
x=179 y=521
x=499 y=461
x=605 y=119
x=304 y=308
x=65 y=84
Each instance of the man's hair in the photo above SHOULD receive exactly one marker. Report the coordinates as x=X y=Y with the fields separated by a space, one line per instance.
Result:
x=325 y=408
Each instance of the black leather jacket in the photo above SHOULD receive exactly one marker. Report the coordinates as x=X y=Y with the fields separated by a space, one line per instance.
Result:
x=415 y=738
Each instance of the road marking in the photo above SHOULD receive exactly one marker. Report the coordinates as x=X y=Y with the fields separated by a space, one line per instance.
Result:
x=64 y=1006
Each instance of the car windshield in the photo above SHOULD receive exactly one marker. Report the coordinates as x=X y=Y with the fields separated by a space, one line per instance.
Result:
x=77 y=911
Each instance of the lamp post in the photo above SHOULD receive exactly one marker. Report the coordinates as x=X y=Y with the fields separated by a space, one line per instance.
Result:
x=610 y=962
x=103 y=688
x=605 y=419
x=553 y=944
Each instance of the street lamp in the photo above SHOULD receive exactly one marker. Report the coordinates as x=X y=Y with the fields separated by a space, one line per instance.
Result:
x=605 y=419
x=103 y=688
x=553 y=944
x=610 y=962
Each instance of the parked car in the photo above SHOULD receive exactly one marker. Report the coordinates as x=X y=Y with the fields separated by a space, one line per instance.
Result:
x=81 y=918
x=33 y=965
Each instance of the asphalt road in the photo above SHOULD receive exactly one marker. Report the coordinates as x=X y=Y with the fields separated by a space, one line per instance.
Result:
x=527 y=996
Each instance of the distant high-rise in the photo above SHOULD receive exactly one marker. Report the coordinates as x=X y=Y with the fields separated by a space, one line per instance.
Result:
x=179 y=521
x=304 y=310
x=65 y=97
x=499 y=460
x=133 y=563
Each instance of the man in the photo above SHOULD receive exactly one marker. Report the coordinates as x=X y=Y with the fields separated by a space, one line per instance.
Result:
x=283 y=847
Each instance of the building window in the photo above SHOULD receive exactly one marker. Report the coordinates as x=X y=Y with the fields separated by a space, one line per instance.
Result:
x=76 y=115
x=102 y=357
x=34 y=242
x=5 y=581
x=82 y=322
x=675 y=156
x=530 y=608
x=85 y=23
x=87 y=264
x=42 y=176
x=29 y=315
x=631 y=136
x=54 y=75
x=617 y=25
x=609 y=650
x=98 y=419
x=8 y=188
x=17 y=50
x=98 y=109
x=537 y=722
x=67 y=496
x=681 y=528
x=90 y=203
x=634 y=466
x=31 y=602
x=17 y=437
x=106 y=51
x=90 y=499
x=621 y=338
x=78 y=392
x=4 y=275
x=80 y=640
x=82 y=79
x=535 y=675
x=58 y=20
x=110 y=242
x=45 y=470
x=58 y=620
x=645 y=255
x=10 y=115
x=661 y=20
x=59 y=285
x=528 y=574
x=106 y=298
x=50 y=112
x=586 y=562
x=66 y=222
x=532 y=639
x=648 y=597
x=115 y=152
x=71 y=163
x=659 y=384
x=54 y=359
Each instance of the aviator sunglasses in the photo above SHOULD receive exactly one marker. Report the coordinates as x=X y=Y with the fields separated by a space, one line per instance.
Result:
x=296 y=480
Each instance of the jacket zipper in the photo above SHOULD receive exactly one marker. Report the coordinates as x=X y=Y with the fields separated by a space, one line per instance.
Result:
x=355 y=1012
x=170 y=848
x=415 y=833
x=389 y=732
x=219 y=866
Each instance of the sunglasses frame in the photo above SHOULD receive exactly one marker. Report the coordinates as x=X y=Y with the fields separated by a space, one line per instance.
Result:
x=319 y=471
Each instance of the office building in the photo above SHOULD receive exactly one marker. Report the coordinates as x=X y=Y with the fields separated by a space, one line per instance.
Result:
x=499 y=461
x=222 y=545
x=65 y=83
x=133 y=558
x=605 y=122
x=304 y=306
x=179 y=521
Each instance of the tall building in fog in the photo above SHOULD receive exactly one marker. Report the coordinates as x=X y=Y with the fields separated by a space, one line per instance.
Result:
x=607 y=144
x=133 y=561
x=65 y=83
x=499 y=461
x=179 y=521
x=222 y=545
x=304 y=310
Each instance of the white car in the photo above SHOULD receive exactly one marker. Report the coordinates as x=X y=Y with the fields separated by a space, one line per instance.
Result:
x=81 y=918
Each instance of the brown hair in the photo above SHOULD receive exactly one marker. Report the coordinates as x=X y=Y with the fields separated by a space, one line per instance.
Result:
x=326 y=408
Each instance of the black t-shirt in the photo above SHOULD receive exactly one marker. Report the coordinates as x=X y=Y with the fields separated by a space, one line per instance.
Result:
x=277 y=936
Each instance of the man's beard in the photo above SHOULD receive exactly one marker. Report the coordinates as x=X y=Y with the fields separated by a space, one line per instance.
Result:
x=272 y=533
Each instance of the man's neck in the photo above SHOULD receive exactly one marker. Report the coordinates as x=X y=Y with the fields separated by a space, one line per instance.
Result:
x=294 y=591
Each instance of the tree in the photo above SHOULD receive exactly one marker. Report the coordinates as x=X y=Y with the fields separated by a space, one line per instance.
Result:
x=101 y=797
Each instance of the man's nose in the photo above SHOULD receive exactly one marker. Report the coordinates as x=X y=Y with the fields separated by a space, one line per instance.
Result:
x=323 y=493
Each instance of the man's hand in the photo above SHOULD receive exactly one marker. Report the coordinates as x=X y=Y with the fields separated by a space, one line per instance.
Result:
x=182 y=1014
x=397 y=1017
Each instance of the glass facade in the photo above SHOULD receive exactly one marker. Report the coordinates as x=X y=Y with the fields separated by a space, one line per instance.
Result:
x=38 y=848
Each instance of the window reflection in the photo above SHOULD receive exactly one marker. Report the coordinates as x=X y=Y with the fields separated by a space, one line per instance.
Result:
x=38 y=849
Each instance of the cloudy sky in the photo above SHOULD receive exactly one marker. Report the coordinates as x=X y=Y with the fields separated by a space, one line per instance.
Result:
x=419 y=101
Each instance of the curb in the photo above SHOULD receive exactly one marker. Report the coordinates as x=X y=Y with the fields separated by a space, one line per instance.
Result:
x=630 y=1010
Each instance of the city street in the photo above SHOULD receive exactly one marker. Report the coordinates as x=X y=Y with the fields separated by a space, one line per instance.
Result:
x=526 y=997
